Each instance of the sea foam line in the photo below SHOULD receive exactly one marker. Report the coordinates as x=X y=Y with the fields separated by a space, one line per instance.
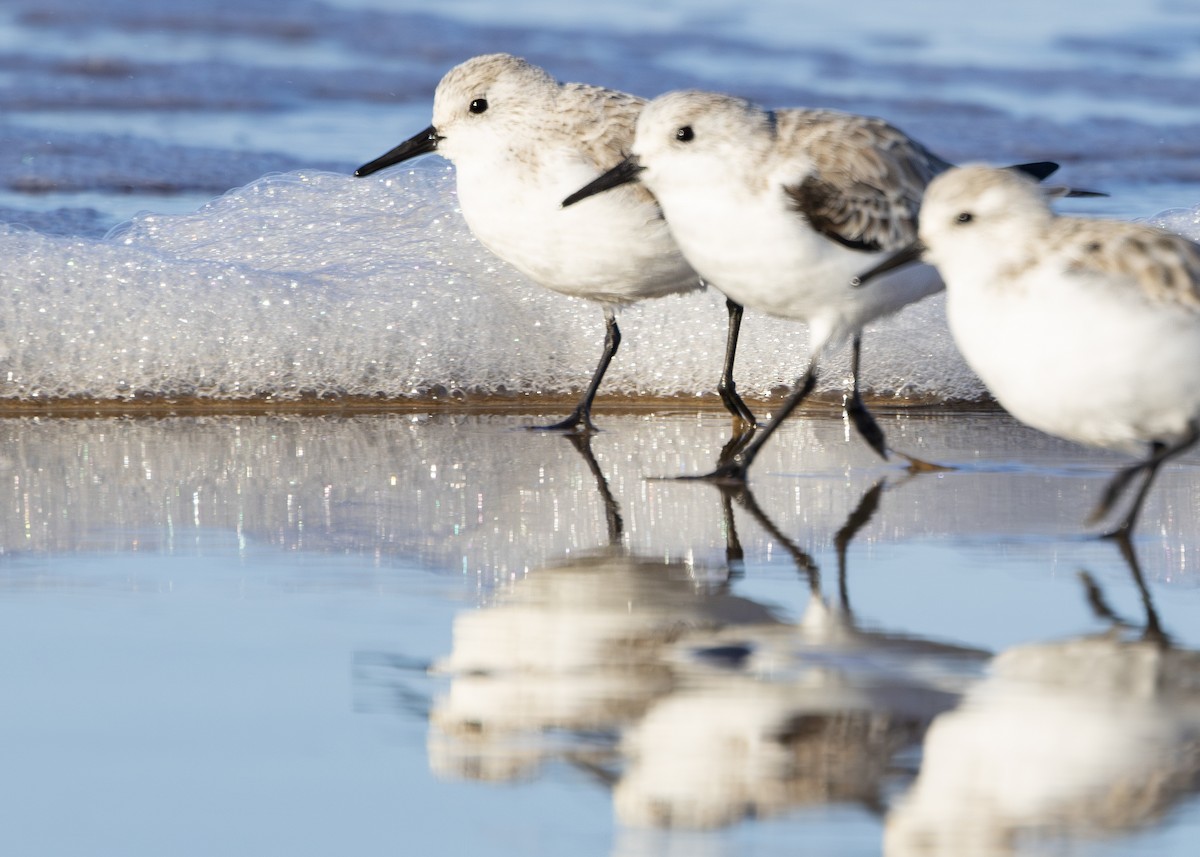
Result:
x=317 y=286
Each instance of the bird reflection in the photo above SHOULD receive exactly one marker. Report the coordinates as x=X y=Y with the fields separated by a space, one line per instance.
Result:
x=1088 y=736
x=612 y=511
x=571 y=654
x=764 y=719
x=696 y=707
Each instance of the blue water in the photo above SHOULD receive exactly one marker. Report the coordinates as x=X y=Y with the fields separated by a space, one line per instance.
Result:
x=437 y=633
x=447 y=634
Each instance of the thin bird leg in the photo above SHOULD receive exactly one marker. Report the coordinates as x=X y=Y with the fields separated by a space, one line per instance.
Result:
x=868 y=429
x=858 y=519
x=805 y=564
x=580 y=419
x=738 y=441
x=1159 y=453
x=612 y=510
x=1116 y=486
x=735 y=468
x=1154 y=630
x=735 y=556
x=856 y=409
x=726 y=387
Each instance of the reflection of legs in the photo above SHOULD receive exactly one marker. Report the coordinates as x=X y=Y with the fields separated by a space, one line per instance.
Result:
x=726 y=387
x=612 y=512
x=736 y=443
x=734 y=555
x=1095 y=597
x=580 y=419
x=804 y=562
x=734 y=468
x=858 y=519
x=1159 y=453
x=854 y=523
x=1153 y=628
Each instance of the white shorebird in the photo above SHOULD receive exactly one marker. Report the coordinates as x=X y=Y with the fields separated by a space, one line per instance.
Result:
x=1085 y=329
x=520 y=142
x=779 y=209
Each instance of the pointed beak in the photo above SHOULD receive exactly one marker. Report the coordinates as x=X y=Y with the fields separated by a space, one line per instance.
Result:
x=623 y=173
x=426 y=141
x=908 y=256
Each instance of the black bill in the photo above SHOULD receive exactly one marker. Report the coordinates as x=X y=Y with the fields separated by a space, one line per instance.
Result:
x=908 y=256
x=623 y=173
x=420 y=144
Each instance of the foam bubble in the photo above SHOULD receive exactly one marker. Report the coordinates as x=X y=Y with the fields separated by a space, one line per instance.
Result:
x=312 y=283
x=1184 y=221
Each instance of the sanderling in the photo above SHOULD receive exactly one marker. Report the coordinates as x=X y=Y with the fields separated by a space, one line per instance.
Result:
x=520 y=141
x=778 y=209
x=1085 y=329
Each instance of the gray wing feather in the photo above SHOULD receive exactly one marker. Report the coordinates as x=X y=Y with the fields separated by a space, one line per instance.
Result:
x=1165 y=266
x=864 y=190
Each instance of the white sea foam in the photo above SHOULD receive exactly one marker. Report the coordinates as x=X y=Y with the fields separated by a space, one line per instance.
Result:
x=318 y=283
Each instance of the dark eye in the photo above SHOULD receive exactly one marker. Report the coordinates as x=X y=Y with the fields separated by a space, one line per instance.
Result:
x=965 y=217
x=685 y=134
x=479 y=105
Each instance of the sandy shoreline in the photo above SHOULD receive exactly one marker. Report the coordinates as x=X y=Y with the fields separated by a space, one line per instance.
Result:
x=154 y=406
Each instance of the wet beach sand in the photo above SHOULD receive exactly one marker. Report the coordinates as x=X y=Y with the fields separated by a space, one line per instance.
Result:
x=353 y=630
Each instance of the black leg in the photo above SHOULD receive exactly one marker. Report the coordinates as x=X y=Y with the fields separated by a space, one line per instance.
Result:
x=805 y=564
x=856 y=409
x=1154 y=629
x=580 y=420
x=612 y=511
x=738 y=441
x=1159 y=453
x=726 y=387
x=735 y=556
x=734 y=469
x=868 y=429
x=858 y=519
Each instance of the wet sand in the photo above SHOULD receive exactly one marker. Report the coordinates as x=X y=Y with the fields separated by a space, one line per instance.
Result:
x=355 y=630
x=444 y=402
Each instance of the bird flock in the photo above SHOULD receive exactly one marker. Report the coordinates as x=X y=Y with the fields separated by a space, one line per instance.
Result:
x=1084 y=328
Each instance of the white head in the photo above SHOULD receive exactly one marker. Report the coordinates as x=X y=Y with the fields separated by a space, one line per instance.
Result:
x=977 y=217
x=486 y=104
x=488 y=101
x=691 y=136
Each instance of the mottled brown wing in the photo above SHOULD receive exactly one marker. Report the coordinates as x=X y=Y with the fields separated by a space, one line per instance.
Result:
x=604 y=120
x=864 y=190
x=1165 y=266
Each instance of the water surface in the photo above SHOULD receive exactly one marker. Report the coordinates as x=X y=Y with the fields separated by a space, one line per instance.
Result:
x=449 y=633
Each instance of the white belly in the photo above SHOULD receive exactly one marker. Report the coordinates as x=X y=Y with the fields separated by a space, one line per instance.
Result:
x=1068 y=361
x=767 y=258
x=613 y=247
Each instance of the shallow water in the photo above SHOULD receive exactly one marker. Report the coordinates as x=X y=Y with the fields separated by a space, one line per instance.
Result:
x=450 y=634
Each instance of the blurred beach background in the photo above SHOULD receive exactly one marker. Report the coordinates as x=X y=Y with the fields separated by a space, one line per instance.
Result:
x=280 y=570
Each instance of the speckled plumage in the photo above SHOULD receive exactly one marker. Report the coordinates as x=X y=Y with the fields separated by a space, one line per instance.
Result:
x=1086 y=329
x=520 y=142
x=779 y=210
x=866 y=178
x=536 y=142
